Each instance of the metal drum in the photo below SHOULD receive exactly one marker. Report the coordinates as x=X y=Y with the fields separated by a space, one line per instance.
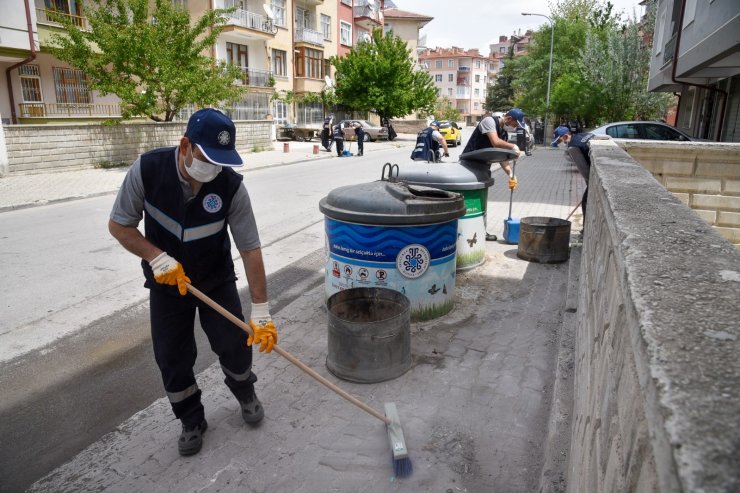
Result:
x=544 y=239
x=369 y=334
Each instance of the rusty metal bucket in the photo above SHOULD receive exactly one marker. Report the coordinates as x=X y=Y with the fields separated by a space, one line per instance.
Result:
x=544 y=239
x=369 y=334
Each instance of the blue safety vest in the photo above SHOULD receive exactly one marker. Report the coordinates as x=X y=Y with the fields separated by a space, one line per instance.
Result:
x=425 y=142
x=193 y=233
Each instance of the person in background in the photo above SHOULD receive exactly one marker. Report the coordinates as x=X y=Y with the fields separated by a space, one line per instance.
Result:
x=560 y=134
x=326 y=133
x=187 y=196
x=339 y=138
x=360 y=134
x=428 y=142
x=493 y=131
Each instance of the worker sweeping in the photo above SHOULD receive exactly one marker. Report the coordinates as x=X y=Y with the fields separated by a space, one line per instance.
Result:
x=492 y=131
x=188 y=195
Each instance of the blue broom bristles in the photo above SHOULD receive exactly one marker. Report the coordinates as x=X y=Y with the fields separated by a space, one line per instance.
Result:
x=402 y=468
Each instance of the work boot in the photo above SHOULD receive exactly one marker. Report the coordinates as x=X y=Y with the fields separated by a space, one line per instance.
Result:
x=252 y=410
x=191 y=438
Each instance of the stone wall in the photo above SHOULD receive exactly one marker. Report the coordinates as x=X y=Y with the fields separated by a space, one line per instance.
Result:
x=705 y=176
x=33 y=148
x=657 y=373
x=408 y=126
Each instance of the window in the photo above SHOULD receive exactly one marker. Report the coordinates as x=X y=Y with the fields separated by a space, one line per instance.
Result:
x=180 y=3
x=347 y=2
x=477 y=78
x=326 y=27
x=280 y=112
x=70 y=86
x=629 y=131
x=302 y=18
x=438 y=64
x=460 y=91
x=450 y=77
x=477 y=64
x=310 y=63
x=387 y=27
x=30 y=83
x=278 y=8
x=438 y=78
x=449 y=91
x=450 y=63
x=476 y=105
x=476 y=92
x=345 y=36
x=279 y=63
x=236 y=54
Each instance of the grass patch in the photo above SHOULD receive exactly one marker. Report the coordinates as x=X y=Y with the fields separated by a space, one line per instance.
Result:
x=257 y=148
x=471 y=258
x=433 y=311
x=110 y=164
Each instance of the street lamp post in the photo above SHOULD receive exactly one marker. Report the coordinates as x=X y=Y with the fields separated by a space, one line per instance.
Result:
x=549 y=71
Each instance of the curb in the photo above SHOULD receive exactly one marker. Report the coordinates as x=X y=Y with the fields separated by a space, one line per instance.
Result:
x=556 y=459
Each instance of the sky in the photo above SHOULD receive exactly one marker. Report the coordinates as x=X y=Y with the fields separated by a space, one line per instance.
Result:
x=478 y=23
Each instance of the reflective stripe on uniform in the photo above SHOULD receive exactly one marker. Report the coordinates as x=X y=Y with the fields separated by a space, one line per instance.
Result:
x=239 y=377
x=203 y=231
x=163 y=219
x=189 y=234
x=176 y=397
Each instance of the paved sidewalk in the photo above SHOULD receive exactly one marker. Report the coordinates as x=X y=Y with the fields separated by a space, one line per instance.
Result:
x=475 y=406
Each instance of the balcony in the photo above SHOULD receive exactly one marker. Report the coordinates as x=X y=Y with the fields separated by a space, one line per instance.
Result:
x=58 y=17
x=254 y=77
x=367 y=17
x=69 y=110
x=311 y=3
x=309 y=36
x=463 y=68
x=259 y=23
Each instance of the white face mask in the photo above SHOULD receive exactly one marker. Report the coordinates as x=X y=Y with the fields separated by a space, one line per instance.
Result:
x=202 y=171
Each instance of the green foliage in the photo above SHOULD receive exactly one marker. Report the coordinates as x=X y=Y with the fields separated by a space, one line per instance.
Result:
x=152 y=59
x=599 y=69
x=379 y=76
x=444 y=110
x=500 y=95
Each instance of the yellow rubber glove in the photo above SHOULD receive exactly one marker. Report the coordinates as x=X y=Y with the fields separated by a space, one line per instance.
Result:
x=169 y=271
x=512 y=183
x=265 y=333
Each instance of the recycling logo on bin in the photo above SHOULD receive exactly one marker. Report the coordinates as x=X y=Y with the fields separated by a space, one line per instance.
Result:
x=413 y=261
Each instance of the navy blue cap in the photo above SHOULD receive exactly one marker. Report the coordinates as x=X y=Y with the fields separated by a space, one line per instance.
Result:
x=215 y=135
x=517 y=115
x=434 y=123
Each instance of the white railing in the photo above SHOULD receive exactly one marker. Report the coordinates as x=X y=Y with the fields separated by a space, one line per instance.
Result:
x=252 y=20
x=309 y=36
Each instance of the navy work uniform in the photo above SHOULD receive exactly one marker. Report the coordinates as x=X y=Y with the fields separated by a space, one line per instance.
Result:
x=360 y=134
x=339 y=139
x=427 y=147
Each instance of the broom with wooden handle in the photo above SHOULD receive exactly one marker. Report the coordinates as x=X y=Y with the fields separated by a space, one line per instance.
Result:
x=401 y=462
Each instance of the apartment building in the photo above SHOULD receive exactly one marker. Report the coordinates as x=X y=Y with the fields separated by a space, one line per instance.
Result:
x=460 y=75
x=281 y=46
x=406 y=25
x=517 y=44
x=695 y=54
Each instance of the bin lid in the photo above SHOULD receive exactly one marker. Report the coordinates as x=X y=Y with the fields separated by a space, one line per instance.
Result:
x=447 y=176
x=487 y=156
x=392 y=203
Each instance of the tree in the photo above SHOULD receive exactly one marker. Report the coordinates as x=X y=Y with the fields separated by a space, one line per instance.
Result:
x=152 y=60
x=444 y=110
x=378 y=75
x=500 y=95
x=618 y=64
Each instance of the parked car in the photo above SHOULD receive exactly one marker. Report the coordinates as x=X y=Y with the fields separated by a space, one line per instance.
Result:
x=372 y=132
x=641 y=130
x=451 y=132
